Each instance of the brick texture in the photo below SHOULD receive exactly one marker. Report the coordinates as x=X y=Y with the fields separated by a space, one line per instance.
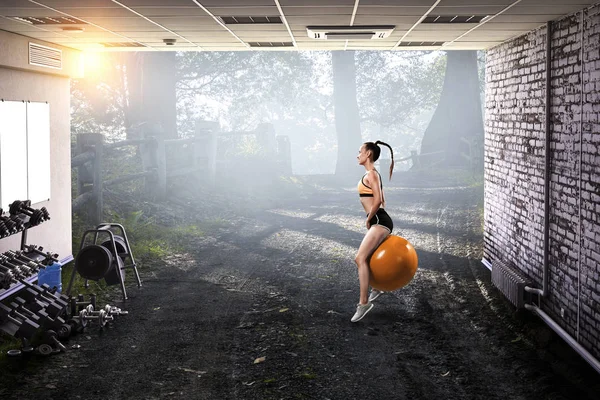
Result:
x=515 y=163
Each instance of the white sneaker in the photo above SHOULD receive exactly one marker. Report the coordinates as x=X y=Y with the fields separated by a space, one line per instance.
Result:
x=375 y=294
x=361 y=311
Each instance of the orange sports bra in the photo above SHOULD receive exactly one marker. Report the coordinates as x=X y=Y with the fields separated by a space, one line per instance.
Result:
x=363 y=189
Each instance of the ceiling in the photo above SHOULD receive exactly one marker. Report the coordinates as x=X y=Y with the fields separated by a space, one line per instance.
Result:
x=198 y=25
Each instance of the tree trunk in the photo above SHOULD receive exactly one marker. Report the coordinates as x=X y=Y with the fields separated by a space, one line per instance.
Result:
x=458 y=114
x=151 y=82
x=347 y=120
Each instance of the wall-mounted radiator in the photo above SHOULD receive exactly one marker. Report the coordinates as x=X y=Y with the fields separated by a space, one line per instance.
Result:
x=510 y=281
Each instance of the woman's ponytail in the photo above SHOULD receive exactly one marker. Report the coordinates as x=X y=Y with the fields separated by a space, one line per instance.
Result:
x=377 y=143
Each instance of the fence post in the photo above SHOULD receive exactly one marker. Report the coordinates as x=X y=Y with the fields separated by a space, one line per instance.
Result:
x=207 y=150
x=91 y=180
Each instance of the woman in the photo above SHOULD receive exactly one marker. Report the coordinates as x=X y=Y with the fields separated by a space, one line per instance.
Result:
x=379 y=224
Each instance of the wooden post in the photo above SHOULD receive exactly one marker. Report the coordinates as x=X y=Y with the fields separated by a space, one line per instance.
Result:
x=415 y=159
x=207 y=149
x=161 y=169
x=91 y=180
x=284 y=152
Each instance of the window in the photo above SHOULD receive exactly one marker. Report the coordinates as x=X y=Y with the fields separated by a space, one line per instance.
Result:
x=24 y=152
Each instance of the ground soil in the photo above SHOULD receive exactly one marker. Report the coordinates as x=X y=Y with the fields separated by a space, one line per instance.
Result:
x=260 y=308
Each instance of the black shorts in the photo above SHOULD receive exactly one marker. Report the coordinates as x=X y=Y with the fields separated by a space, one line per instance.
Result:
x=382 y=218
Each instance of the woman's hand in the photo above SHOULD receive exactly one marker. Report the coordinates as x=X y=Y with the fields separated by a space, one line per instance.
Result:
x=368 y=223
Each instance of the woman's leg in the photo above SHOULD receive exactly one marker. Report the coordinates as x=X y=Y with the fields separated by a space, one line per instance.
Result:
x=370 y=242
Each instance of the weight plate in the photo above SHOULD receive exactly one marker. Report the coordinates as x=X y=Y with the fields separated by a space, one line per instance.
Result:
x=45 y=349
x=64 y=331
x=93 y=262
x=13 y=353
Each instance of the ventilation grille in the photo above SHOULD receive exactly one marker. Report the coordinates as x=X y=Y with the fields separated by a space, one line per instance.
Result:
x=122 y=44
x=43 y=56
x=50 y=20
x=510 y=281
x=454 y=19
x=355 y=32
x=251 y=20
x=420 y=44
x=271 y=44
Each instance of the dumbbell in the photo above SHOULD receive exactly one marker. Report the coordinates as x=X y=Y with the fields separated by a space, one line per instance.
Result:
x=39 y=250
x=11 y=226
x=37 y=301
x=18 y=222
x=15 y=271
x=26 y=328
x=35 y=216
x=109 y=310
x=19 y=256
x=49 y=293
x=42 y=318
x=51 y=336
x=79 y=303
x=6 y=279
x=28 y=268
x=100 y=316
x=5 y=260
x=4 y=231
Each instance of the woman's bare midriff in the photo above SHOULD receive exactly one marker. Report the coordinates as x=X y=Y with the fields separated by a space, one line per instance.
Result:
x=367 y=203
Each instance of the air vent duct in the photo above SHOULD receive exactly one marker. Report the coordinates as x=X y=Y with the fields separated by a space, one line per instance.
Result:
x=454 y=19
x=50 y=20
x=122 y=44
x=349 y=32
x=420 y=44
x=250 y=20
x=43 y=56
x=271 y=44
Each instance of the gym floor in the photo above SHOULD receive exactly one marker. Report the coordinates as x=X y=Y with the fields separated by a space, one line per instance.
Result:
x=260 y=308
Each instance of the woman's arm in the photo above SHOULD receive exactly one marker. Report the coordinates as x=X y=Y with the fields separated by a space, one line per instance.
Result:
x=375 y=184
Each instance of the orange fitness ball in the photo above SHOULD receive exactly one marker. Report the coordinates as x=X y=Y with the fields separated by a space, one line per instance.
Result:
x=393 y=264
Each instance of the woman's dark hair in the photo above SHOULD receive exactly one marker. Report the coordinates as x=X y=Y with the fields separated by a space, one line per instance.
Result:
x=376 y=151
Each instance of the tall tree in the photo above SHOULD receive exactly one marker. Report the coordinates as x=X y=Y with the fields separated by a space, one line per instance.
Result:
x=458 y=114
x=347 y=119
x=152 y=80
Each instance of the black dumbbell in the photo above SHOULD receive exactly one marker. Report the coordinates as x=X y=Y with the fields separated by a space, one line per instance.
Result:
x=4 y=231
x=49 y=293
x=10 y=225
x=58 y=324
x=40 y=250
x=22 y=328
x=15 y=271
x=80 y=303
x=25 y=267
x=23 y=313
x=6 y=279
x=36 y=301
x=22 y=258
x=19 y=223
x=51 y=337
x=36 y=217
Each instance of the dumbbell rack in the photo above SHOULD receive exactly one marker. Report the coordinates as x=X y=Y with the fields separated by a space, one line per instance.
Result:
x=20 y=269
x=32 y=253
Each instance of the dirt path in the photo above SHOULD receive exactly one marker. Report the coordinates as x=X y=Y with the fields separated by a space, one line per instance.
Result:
x=281 y=284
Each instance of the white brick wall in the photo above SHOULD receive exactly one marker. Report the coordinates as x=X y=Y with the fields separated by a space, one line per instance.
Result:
x=514 y=166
